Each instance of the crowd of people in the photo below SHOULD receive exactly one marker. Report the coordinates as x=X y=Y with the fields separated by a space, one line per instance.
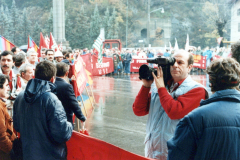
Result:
x=37 y=96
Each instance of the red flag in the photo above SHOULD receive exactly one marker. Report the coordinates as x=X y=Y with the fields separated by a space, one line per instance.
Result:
x=42 y=44
x=47 y=41
x=52 y=44
x=60 y=47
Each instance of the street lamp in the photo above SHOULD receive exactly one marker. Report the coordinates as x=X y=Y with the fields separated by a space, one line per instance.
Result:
x=148 y=24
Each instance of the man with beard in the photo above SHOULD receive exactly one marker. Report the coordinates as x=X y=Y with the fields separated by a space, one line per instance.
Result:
x=166 y=105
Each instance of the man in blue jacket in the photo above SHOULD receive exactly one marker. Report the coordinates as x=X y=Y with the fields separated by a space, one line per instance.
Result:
x=65 y=93
x=212 y=130
x=40 y=117
x=127 y=60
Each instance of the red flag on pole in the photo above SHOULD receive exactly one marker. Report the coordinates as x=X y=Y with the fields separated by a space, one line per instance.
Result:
x=52 y=44
x=42 y=44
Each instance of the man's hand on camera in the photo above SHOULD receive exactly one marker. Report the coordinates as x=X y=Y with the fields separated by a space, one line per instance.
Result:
x=159 y=78
x=147 y=83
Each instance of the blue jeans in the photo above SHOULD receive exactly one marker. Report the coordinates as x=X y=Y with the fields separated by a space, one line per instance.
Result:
x=121 y=66
x=127 y=67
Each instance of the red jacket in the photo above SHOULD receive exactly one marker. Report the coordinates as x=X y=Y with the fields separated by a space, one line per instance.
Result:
x=176 y=109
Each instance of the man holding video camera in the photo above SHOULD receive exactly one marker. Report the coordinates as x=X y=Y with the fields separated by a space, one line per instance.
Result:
x=166 y=105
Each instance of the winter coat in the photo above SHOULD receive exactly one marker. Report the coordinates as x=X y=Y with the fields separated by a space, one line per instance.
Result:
x=65 y=94
x=128 y=58
x=160 y=128
x=41 y=120
x=211 y=131
x=116 y=60
x=6 y=130
x=150 y=55
x=166 y=54
x=208 y=53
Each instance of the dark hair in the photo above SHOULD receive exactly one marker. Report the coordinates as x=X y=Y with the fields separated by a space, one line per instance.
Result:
x=19 y=60
x=43 y=49
x=224 y=74
x=3 y=79
x=64 y=52
x=70 y=51
x=62 y=69
x=5 y=53
x=48 y=51
x=235 y=48
x=14 y=49
x=45 y=70
x=67 y=55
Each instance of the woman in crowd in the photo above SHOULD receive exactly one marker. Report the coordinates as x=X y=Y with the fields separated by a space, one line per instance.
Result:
x=6 y=129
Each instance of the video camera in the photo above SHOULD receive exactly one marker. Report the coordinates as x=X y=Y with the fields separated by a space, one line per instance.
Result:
x=145 y=72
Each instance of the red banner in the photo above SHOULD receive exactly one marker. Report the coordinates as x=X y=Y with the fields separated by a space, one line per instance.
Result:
x=199 y=61
x=136 y=64
x=87 y=58
x=81 y=75
x=103 y=68
x=88 y=148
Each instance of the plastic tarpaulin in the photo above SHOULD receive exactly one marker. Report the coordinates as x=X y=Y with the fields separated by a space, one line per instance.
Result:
x=82 y=147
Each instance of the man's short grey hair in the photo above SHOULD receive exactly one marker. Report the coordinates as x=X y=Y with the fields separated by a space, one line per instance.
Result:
x=31 y=52
x=23 y=68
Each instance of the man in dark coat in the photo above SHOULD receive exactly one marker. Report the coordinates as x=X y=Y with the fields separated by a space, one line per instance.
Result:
x=40 y=117
x=65 y=93
x=211 y=131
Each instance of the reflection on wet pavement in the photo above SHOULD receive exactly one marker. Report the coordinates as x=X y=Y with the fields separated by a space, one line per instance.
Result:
x=113 y=120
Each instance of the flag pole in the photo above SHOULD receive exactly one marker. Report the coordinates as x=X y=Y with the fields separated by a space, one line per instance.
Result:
x=89 y=97
x=92 y=94
x=83 y=105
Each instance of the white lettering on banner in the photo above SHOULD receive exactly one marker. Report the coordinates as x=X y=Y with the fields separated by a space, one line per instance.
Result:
x=135 y=67
x=141 y=61
x=196 y=64
x=100 y=71
x=102 y=65
x=106 y=70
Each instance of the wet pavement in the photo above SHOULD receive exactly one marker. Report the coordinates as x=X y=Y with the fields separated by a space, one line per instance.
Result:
x=112 y=120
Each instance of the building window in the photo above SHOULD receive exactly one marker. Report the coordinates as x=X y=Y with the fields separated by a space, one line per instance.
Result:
x=238 y=27
x=238 y=12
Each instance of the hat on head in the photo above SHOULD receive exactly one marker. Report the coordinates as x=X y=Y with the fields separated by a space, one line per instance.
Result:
x=58 y=54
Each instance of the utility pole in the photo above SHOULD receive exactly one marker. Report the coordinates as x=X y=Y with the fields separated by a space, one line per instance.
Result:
x=148 y=24
x=127 y=25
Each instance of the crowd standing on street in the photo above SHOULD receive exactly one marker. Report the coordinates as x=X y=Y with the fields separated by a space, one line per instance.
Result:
x=37 y=101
